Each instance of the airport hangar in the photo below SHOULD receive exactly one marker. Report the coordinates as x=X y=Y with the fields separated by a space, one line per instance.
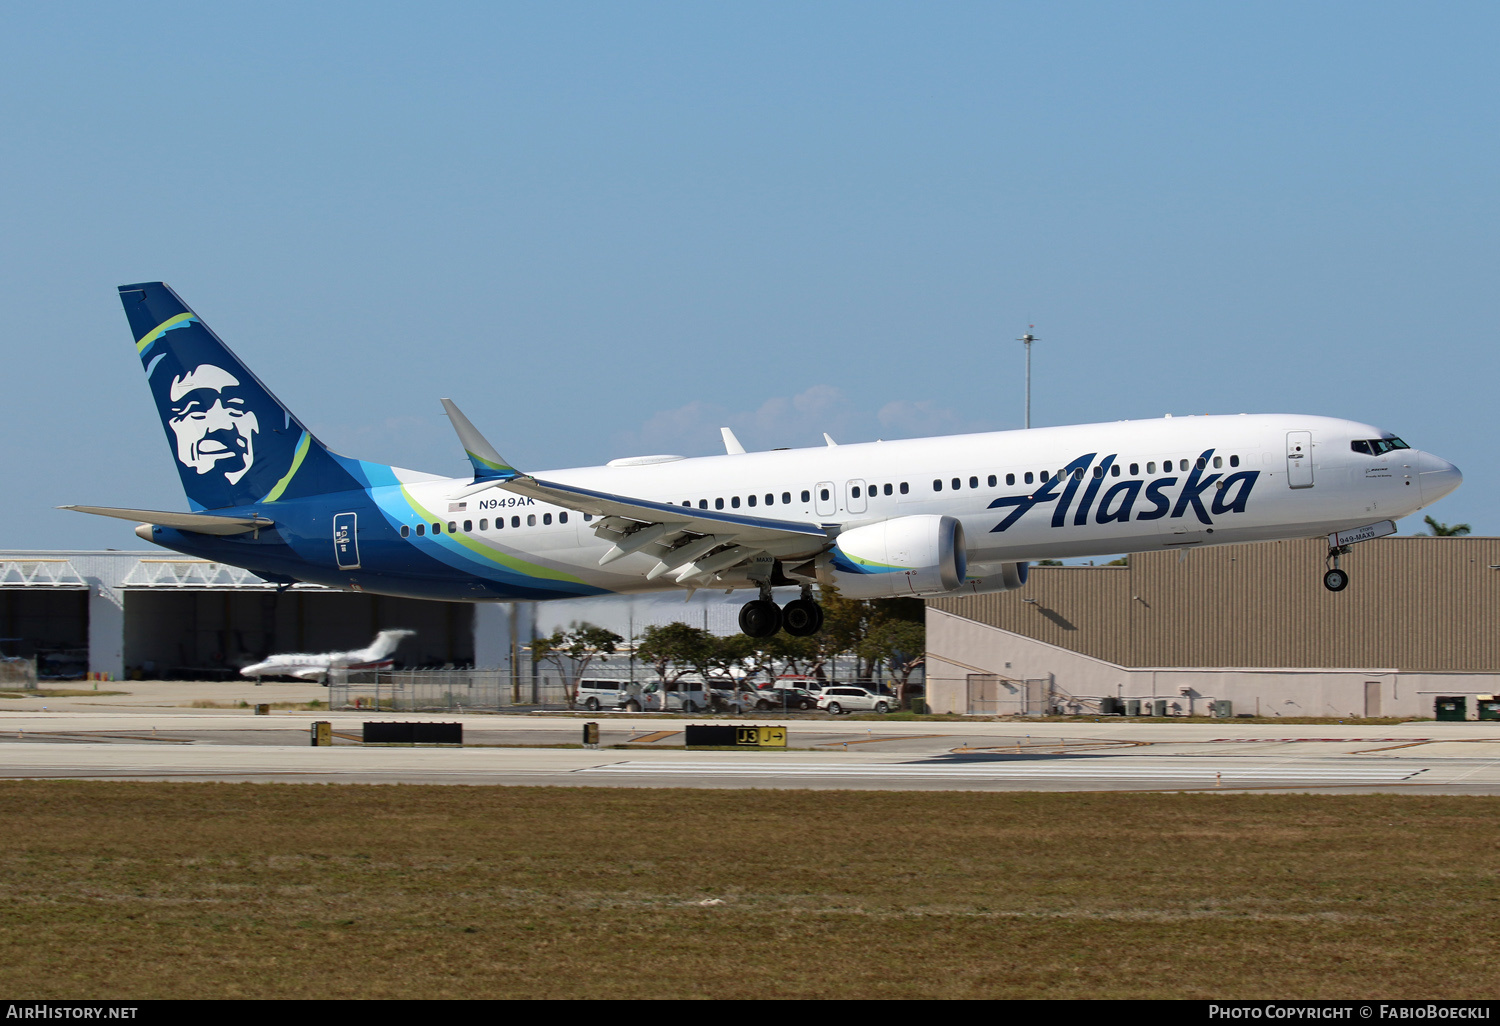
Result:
x=155 y=614
x=1248 y=624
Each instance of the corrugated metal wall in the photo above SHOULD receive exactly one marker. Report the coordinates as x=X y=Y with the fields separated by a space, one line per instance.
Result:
x=1412 y=604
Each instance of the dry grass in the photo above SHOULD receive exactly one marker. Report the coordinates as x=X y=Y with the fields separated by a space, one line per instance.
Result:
x=219 y=890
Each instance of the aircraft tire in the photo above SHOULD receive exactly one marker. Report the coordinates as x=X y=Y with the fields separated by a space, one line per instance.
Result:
x=760 y=619
x=802 y=618
x=1336 y=580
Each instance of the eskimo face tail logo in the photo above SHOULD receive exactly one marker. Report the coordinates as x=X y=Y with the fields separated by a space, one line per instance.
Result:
x=212 y=422
x=1230 y=494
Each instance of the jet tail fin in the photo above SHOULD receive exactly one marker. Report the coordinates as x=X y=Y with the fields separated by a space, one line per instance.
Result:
x=384 y=644
x=235 y=443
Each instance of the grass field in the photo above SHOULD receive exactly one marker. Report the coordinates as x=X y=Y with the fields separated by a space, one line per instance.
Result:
x=145 y=890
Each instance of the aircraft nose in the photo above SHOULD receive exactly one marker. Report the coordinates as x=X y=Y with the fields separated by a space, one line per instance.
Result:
x=1436 y=477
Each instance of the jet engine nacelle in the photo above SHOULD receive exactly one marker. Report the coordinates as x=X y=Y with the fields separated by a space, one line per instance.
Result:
x=918 y=555
x=986 y=578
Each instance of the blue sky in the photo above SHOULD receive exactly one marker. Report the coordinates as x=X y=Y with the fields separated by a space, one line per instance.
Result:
x=607 y=229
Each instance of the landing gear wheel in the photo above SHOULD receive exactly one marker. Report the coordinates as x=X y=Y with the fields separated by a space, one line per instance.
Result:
x=760 y=619
x=1336 y=580
x=802 y=618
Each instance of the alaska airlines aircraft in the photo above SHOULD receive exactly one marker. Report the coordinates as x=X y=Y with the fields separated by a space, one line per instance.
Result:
x=333 y=666
x=961 y=514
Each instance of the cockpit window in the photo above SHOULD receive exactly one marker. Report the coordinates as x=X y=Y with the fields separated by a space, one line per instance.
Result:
x=1377 y=446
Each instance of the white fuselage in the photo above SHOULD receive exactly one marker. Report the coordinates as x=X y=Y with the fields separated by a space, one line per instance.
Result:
x=1124 y=487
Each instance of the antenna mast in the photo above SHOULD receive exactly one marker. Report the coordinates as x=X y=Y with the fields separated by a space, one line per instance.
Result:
x=1027 y=339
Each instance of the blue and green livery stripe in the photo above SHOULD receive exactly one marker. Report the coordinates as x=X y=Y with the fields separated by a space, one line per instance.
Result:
x=303 y=444
x=182 y=320
x=480 y=461
x=484 y=552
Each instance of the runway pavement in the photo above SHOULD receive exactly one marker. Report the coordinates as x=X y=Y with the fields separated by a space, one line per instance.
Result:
x=125 y=739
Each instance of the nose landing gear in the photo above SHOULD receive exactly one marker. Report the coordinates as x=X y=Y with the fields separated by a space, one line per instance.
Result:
x=1336 y=579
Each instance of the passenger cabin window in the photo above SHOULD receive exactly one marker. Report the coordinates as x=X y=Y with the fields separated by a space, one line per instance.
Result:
x=421 y=530
x=1234 y=461
x=750 y=500
x=1151 y=468
x=405 y=531
x=484 y=525
x=437 y=528
x=562 y=518
x=806 y=495
x=887 y=489
x=452 y=527
x=823 y=494
x=1028 y=477
x=956 y=484
x=1218 y=462
x=1135 y=470
x=531 y=520
x=515 y=521
x=718 y=504
x=468 y=526
x=937 y=485
x=904 y=488
x=974 y=482
x=1114 y=471
x=1010 y=479
x=786 y=498
x=546 y=518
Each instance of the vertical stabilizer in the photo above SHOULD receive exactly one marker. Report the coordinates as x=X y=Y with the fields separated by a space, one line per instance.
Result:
x=234 y=442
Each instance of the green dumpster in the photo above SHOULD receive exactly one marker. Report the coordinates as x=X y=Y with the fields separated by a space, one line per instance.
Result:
x=1452 y=707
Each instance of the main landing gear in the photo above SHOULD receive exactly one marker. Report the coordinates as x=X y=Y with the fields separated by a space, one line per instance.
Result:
x=801 y=618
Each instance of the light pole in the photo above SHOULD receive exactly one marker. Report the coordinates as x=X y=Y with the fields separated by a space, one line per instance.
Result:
x=1027 y=339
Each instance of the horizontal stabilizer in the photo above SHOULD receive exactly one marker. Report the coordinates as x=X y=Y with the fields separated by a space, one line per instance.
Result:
x=199 y=523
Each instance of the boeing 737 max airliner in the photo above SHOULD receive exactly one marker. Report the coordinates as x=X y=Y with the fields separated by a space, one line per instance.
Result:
x=960 y=514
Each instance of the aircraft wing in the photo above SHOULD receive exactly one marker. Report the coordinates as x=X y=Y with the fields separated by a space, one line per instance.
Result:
x=201 y=523
x=696 y=542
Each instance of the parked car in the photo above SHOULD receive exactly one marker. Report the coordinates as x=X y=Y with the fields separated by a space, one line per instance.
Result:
x=845 y=698
x=785 y=698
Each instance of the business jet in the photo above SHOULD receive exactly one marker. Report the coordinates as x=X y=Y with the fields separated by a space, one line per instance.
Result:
x=955 y=515
x=333 y=666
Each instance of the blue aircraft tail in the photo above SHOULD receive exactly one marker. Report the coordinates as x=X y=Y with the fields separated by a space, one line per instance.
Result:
x=234 y=442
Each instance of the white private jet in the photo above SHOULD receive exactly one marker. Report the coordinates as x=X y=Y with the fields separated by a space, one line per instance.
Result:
x=961 y=514
x=332 y=667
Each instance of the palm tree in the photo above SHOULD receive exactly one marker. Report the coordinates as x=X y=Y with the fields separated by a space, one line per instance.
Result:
x=1444 y=530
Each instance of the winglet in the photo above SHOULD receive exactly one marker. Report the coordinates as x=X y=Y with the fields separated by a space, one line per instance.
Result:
x=732 y=446
x=829 y=439
x=489 y=465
